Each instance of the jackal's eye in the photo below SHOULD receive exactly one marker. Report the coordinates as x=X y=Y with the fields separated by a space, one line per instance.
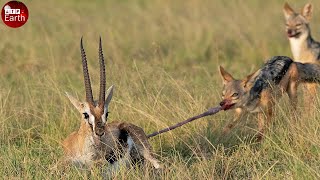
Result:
x=86 y=115
x=235 y=95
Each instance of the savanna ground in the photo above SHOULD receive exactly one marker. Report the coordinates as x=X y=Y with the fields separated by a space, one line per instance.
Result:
x=162 y=56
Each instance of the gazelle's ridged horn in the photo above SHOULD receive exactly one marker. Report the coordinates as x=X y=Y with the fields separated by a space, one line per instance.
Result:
x=86 y=76
x=102 y=77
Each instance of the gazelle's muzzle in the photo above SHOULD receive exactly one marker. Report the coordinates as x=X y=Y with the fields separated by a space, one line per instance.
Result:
x=99 y=129
x=99 y=132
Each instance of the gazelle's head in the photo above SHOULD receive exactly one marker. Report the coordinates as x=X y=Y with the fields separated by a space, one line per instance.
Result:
x=94 y=113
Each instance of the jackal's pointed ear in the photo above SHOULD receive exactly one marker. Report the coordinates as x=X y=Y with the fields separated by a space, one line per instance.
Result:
x=76 y=103
x=249 y=78
x=109 y=97
x=226 y=77
x=306 y=11
x=287 y=10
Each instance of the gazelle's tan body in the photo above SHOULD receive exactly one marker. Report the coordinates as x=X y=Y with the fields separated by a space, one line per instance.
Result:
x=122 y=141
x=96 y=141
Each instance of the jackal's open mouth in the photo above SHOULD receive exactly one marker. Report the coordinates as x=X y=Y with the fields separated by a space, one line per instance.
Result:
x=227 y=106
x=296 y=35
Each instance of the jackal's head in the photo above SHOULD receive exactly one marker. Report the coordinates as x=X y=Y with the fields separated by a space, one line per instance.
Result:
x=297 y=24
x=94 y=113
x=233 y=90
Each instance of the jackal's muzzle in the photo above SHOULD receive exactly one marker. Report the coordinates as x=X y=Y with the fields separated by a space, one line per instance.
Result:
x=226 y=104
x=293 y=33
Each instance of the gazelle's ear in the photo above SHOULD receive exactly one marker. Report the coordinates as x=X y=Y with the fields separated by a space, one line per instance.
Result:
x=226 y=77
x=287 y=10
x=109 y=97
x=76 y=103
x=306 y=11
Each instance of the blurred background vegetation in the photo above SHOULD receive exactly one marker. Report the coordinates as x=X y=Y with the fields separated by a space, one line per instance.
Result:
x=163 y=57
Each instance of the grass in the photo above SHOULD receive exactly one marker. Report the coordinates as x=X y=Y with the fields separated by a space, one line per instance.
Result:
x=162 y=57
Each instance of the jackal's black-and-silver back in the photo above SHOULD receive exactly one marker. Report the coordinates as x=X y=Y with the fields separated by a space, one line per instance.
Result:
x=274 y=70
x=271 y=73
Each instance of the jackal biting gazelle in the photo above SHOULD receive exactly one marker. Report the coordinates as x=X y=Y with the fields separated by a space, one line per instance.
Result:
x=259 y=91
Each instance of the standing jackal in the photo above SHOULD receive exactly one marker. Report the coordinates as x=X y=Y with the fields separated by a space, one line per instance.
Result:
x=258 y=92
x=304 y=48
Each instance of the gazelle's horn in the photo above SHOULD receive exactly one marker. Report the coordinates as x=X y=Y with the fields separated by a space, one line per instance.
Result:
x=86 y=76
x=102 y=93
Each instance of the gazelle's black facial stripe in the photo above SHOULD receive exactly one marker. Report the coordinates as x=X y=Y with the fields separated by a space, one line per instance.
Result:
x=86 y=115
x=105 y=116
x=91 y=126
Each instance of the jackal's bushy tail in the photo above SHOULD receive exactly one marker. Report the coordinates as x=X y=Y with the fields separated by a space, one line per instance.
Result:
x=308 y=72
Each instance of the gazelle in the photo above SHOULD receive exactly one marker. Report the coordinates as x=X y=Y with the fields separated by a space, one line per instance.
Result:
x=116 y=143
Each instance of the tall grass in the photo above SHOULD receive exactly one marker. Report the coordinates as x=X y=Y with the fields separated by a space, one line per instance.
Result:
x=162 y=56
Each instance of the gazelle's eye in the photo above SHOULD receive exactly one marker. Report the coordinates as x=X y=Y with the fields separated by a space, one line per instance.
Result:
x=107 y=113
x=86 y=115
x=235 y=95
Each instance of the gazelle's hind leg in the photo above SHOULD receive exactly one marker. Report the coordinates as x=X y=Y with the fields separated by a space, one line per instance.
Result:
x=144 y=149
x=123 y=159
x=141 y=143
x=149 y=157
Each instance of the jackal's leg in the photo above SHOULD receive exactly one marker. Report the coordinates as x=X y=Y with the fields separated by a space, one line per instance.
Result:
x=264 y=118
x=293 y=85
x=292 y=92
x=289 y=83
x=309 y=97
x=269 y=112
x=237 y=116
x=261 y=122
